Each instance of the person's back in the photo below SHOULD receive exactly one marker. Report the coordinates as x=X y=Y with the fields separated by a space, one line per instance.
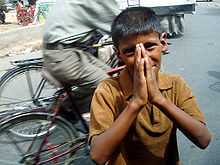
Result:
x=69 y=20
x=71 y=28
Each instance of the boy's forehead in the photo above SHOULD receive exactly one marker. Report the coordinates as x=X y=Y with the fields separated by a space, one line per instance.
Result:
x=136 y=38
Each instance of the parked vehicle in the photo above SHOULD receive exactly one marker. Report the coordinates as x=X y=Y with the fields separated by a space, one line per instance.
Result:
x=2 y=16
x=3 y=10
x=171 y=12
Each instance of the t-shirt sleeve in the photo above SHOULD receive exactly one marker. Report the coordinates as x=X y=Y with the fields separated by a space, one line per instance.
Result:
x=102 y=110
x=187 y=101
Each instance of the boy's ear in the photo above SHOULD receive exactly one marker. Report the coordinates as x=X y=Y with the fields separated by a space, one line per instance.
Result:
x=163 y=40
x=120 y=62
x=116 y=52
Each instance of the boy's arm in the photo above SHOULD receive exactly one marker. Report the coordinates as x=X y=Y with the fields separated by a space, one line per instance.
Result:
x=195 y=130
x=105 y=144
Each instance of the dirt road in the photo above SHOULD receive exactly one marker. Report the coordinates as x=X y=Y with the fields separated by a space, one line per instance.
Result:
x=16 y=38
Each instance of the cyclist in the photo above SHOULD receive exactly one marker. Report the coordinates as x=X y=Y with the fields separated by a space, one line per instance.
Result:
x=71 y=28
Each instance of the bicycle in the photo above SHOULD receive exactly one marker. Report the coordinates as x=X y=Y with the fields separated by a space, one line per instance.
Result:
x=28 y=86
x=56 y=135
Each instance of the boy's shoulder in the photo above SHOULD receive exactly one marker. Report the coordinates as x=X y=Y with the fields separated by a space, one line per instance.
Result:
x=111 y=83
x=170 y=76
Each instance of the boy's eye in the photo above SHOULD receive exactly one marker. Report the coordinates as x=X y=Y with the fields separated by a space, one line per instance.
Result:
x=149 y=47
x=129 y=51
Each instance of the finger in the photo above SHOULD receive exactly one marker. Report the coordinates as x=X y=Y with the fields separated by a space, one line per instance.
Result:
x=140 y=62
x=148 y=67
x=144 y=55
x=136 y=58
x=138 y=54
x=154 y=71
x=143 y=51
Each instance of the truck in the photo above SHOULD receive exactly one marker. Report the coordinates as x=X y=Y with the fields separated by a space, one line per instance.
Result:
x=171 y=13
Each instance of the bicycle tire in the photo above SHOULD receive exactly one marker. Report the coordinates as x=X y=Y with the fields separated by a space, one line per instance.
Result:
x=16 y=149
x=18 y=88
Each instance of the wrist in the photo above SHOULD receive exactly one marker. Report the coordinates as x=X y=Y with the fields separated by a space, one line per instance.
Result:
x=135 y=105
x=160 y=101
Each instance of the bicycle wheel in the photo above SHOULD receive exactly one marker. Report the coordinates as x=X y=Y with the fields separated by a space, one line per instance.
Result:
x=21 y=137
x=24 y=87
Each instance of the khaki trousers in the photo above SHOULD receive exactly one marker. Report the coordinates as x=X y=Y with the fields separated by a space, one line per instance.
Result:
x=75 y=67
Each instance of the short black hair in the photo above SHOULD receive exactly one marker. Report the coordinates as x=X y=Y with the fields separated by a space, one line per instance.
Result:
x=133 y=21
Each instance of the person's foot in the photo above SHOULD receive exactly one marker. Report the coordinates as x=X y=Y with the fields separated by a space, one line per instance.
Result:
x=169 y=35
x=175 y=35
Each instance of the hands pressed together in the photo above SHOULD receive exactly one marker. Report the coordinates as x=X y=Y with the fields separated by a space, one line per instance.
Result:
x=145 y=85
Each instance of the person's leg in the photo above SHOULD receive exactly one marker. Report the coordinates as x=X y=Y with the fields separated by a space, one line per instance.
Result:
x=75 y=67
x=79 y=68
x=180 y=24
x=165 y=25
x=177 y=25
x=173 y=26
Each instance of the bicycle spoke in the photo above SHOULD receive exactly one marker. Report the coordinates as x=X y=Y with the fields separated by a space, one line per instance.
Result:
x=34 y=139
x=15 y=144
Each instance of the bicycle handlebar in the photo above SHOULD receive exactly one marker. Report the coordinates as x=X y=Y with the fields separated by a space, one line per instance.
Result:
x=102 y=44
x=115 y=70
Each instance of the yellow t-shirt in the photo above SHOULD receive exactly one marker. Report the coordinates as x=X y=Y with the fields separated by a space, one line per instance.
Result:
x=151 y=140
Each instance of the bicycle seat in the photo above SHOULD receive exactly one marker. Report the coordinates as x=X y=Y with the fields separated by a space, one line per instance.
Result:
x=51 y=79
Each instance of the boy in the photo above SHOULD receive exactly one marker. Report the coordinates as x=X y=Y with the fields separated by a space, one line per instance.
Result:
x=134 y=116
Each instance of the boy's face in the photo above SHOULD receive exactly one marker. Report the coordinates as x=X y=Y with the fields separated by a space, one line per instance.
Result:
x=153 y=46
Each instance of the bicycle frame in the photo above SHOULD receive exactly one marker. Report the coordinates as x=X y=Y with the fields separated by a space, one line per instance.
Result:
x=78 y=143
x=52 y=117
x=56 y=109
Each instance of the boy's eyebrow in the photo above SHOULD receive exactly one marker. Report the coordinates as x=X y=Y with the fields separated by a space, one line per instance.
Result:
x=133 y=48
x=129 y=49
x=149 y=44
